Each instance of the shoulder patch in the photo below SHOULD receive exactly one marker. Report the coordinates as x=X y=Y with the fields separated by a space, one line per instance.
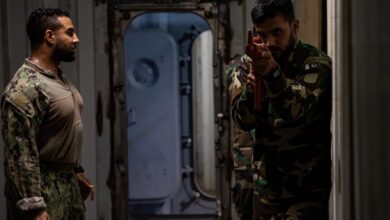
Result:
x=310 y=66
x=23 y=92
x=311 y=78
x=22 y=103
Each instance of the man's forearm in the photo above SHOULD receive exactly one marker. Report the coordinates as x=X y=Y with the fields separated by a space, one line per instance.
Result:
x=22 y=159
x=242 y=110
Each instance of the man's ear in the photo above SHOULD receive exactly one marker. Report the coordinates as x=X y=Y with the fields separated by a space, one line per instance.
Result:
x=295 y=26
x=50 y=37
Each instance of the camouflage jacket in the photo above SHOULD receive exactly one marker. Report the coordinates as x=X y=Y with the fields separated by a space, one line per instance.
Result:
x=241 y=140
x=292 y=130
x=33 y=129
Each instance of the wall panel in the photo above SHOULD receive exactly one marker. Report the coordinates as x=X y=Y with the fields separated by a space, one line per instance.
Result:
x=240 y=22
x=17 y=43
x=51 y=3
x=71 y=69
x=370 y=39
x=339 y=50
x=86 y=79
x=2 y=74
x=309 y=14
x=103 y=145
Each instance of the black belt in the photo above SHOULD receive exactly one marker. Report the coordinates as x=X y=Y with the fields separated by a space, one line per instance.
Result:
x=61 y=167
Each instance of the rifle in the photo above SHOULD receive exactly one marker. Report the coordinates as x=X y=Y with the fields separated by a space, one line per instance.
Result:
x=252 y=50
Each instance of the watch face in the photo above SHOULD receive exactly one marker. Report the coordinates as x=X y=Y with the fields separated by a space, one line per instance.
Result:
x=276 y=73
x=144 y=73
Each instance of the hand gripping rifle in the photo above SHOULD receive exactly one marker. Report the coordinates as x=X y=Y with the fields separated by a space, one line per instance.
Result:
x=253 y=50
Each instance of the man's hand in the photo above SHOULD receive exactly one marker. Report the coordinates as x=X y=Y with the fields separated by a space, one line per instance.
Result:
x=86 y=187
x=266 y=64
x=262 y=66
x=42 y=216
x=37 y=215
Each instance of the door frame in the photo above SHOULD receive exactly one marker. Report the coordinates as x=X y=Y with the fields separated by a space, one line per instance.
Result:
x=119 y=16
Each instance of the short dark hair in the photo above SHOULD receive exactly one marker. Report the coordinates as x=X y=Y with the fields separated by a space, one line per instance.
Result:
x=266 y=9
x=41 y=20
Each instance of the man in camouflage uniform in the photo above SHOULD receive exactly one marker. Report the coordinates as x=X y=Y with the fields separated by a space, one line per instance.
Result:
x=241 y=147
x=42 y=128
x=291 y=154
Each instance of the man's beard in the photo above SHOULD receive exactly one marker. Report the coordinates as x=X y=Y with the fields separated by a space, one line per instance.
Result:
x=62 y=53
x=281 y=55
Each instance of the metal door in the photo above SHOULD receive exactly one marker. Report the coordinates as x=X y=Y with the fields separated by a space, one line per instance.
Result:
x=158 y=99
x=153 y=128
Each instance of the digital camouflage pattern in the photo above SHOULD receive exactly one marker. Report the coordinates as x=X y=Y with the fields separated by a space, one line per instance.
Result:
x=22 y=108
x=29 y=186
x=241 y=145
x=61 y=192
x=291 y=154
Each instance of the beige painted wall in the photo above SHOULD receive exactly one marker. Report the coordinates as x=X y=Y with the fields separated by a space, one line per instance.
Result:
x=309 y=14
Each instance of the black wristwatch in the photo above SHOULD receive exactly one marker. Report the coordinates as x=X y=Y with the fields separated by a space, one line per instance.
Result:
x=274 y=75
x=78 y=168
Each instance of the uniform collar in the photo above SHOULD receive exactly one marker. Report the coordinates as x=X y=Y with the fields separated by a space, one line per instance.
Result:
x=297 y=45
x=29 y=62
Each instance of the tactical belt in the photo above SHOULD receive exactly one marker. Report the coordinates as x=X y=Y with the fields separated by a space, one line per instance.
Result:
x=244 y=174
x=60 y=167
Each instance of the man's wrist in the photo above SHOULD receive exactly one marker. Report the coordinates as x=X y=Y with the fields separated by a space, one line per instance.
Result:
x=78 y=168
x=31 y=203
x=275 y=82
x=247 y=93
x=274 y=74
x=34 y=213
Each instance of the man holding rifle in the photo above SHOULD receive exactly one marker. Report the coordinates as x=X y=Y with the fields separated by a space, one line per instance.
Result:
x=286 y=100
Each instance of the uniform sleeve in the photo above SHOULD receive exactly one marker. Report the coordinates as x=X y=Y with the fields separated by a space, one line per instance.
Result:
x=241 y=141
x=289 y=99
x=236 y=73
x=242 y=98
x=308 y=92
x=21 y=117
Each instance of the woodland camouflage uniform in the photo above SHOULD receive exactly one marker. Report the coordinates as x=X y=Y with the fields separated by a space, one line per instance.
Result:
x=241 y=146
x=291 y=153
x=42 y=131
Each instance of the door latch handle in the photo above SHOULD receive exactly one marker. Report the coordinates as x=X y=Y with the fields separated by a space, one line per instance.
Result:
x=132 y=117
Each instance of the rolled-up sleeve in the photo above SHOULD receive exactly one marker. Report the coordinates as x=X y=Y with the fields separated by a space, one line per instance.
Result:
x=21 y=116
